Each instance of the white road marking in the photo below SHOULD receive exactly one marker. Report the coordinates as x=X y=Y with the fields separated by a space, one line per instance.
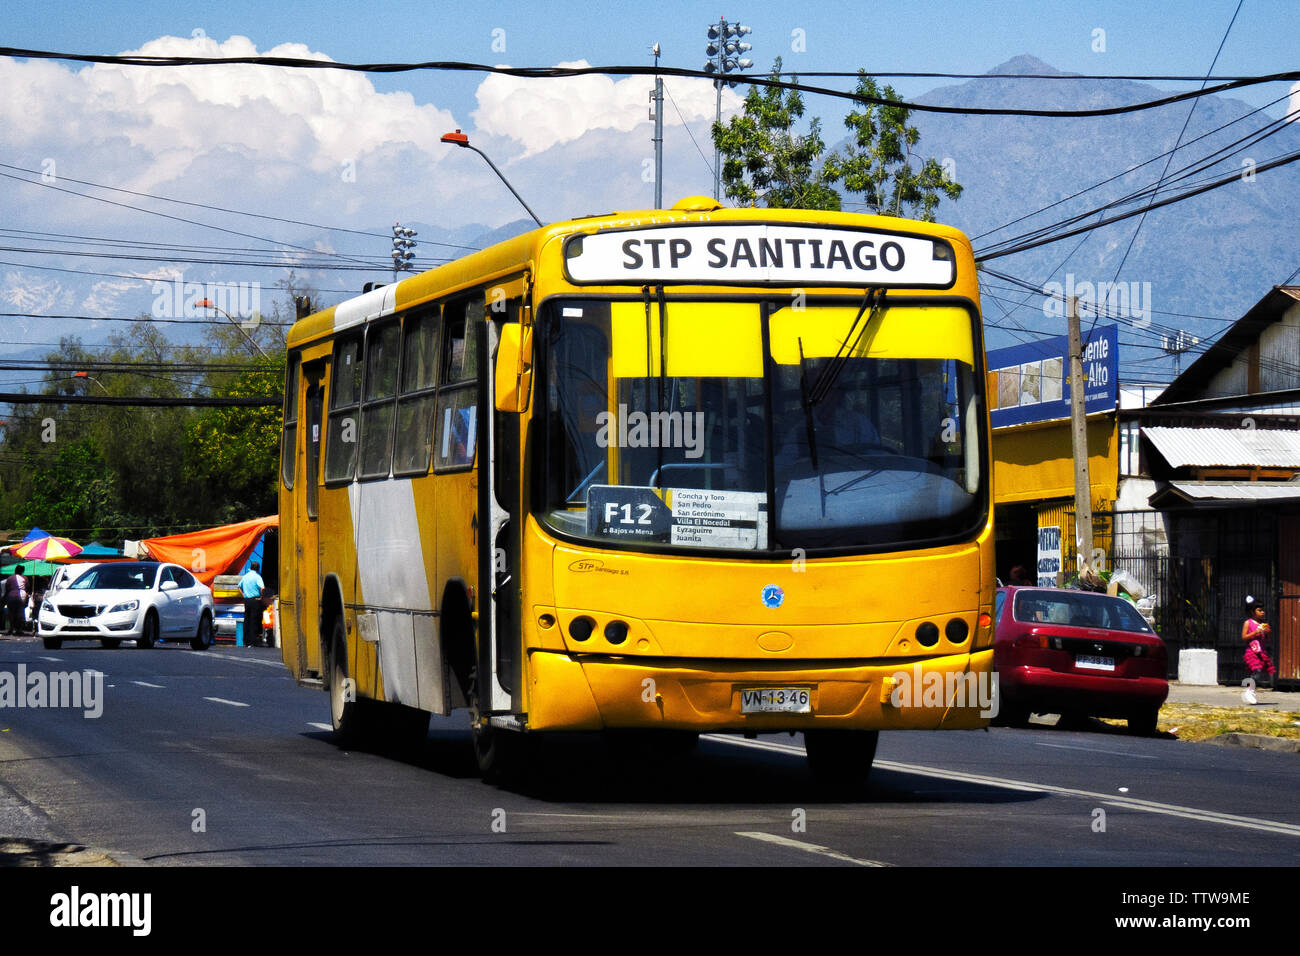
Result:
x=222 y=700
x=807 y=847
x=144 y=684
x=1129 y=803
x=1097 y=750
x=320 y=726
x=56 y=660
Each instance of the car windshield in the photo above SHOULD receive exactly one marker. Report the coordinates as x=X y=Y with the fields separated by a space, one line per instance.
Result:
x=1077 y=609
x=760 y=426
x=116 y=578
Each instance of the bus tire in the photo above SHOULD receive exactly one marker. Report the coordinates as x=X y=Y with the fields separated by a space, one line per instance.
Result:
x=841 y=757
x=504 y=756
x=350 y=716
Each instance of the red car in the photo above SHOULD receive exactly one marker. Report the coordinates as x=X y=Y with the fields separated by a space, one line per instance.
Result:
x=1077 y=653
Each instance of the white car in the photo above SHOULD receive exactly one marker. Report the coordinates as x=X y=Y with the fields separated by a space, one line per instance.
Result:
x=141 y=601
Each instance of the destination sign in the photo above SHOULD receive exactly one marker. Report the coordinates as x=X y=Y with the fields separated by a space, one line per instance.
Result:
x=777 y=253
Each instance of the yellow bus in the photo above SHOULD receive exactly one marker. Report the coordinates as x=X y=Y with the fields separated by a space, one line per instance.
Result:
x=688 y=470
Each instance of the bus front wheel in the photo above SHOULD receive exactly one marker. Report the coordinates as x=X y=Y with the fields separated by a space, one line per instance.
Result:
x=841 y=757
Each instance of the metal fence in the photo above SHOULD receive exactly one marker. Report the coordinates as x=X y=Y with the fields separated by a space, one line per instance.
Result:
x=1201 y=573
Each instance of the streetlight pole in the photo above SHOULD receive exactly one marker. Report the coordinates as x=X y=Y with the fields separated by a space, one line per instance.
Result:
x=208 y=304
x=460 y=139
x=722 y=49
x=90 y=378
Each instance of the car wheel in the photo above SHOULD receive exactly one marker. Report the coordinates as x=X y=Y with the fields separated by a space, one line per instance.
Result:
x=112 y=643
x=1143 y=722
x=52 y=643
x=841 y=757
x=149 y=635
x=202 y=639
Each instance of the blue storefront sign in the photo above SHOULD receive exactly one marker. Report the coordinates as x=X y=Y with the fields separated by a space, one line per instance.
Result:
x=1030 y=382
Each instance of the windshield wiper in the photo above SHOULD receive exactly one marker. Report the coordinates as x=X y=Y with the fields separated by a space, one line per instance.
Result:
x=875 y=300
x=806 y=402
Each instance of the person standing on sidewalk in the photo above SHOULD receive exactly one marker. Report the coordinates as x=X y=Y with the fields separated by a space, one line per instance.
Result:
x=251 y=587
x=1254 y=631
x=15 y=595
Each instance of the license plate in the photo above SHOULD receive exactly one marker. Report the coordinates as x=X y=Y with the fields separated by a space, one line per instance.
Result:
x=1095 y=663
x=781 y=700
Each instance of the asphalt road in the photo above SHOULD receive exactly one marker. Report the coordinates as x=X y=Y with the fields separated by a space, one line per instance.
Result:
x=217 y=758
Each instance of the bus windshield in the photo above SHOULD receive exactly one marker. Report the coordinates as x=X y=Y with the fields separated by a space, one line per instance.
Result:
x=760 y=426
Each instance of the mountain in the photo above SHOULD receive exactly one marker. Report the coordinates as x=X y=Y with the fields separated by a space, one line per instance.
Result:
x=1213 y=255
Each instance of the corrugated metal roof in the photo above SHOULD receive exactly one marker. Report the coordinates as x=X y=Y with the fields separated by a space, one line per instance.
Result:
x=1226 y=447
x=1237 y=490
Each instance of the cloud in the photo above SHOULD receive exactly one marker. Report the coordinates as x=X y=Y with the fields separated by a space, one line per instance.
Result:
x=540 y=114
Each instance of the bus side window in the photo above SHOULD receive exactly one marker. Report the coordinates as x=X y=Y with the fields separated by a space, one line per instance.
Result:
x=458 y=385
x=344 y=427
x=413 y=444
x=382 y=348
x=289 y=442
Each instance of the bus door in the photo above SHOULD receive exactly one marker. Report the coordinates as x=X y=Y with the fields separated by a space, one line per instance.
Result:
x=499 y=509
x=306 y=538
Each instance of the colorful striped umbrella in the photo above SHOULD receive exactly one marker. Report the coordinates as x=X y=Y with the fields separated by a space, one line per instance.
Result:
x=46 y=549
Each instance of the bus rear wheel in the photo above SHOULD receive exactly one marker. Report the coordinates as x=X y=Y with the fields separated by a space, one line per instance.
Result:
x=348 y=714
x=841 y=757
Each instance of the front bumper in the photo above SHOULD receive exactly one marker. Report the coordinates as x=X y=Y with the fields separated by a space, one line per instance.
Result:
x=123 y=626
x=594 y=692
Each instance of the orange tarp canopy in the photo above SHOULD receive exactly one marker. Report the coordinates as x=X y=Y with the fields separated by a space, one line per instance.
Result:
x=213 y=551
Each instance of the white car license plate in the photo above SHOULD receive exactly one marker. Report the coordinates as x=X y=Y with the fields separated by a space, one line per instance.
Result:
x=1095 y=663
x=781 y=700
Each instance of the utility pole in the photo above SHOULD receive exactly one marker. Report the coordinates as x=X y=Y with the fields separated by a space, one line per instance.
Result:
x=1176 y=345
x=657 y=114
x=1079 y=441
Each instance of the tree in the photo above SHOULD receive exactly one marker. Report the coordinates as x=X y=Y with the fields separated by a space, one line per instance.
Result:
x=763 y=159
x=878 y=163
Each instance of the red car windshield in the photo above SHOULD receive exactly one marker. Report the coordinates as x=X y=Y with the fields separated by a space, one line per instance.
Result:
x=1078 y=609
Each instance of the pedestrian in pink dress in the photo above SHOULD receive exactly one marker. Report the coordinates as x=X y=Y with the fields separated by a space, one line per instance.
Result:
x=1254 y=632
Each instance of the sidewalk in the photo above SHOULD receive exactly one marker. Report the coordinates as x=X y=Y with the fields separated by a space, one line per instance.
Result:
x=1220 y=695
x=1231 y=710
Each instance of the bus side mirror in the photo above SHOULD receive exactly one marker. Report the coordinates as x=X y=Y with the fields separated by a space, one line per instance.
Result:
x=514 y=370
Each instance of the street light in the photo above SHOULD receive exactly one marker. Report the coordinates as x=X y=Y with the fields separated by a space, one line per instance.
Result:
x=722 y=50
x=403 y=243
x=208 y=304
x=90 y=378
x=460 y=139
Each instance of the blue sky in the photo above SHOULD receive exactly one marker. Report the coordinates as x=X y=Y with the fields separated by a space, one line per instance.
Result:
x=360 y=152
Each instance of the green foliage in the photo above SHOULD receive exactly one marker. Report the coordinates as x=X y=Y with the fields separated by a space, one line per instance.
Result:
x=879 y=161
x=763 y=159
x=238 y=448
x=112 y=472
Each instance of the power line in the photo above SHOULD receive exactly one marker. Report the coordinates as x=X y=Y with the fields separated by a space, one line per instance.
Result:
x=635 y=70
x=1177 y=142
x=1187 y=194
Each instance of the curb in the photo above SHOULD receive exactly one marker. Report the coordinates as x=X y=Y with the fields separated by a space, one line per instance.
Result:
x=1256 y=742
